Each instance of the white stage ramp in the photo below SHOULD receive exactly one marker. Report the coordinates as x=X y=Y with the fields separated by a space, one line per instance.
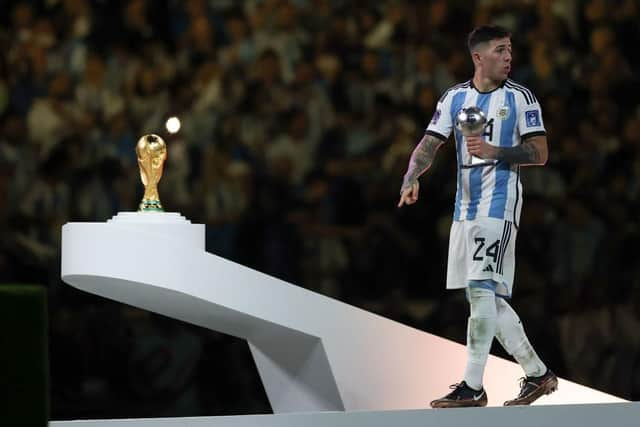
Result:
x=595 y=415
x=313 y=353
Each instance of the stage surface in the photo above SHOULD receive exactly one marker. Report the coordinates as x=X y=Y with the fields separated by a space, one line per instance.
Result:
x=595 y=415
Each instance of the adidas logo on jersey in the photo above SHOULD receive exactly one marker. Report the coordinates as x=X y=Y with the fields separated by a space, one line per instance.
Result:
x=488 y=268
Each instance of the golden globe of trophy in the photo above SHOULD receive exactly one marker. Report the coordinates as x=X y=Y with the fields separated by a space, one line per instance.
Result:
x=152 y=152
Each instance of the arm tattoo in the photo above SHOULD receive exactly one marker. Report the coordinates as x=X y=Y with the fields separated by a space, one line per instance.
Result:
x=421 y=159
x=525 y=153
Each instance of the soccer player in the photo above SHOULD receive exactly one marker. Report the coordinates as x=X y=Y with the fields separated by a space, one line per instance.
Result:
x=487 y=210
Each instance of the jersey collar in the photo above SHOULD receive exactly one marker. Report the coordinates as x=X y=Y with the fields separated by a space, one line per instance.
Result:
x=492 y=90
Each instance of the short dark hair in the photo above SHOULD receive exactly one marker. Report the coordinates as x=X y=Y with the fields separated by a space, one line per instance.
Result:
x=485 y=33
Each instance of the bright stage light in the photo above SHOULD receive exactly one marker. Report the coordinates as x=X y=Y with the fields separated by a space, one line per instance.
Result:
x=173 y=124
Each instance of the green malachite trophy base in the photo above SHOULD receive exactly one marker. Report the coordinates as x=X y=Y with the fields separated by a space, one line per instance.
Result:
x=151 y=206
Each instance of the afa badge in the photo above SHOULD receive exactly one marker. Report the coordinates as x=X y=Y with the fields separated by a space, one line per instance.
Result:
x=533 y=118
x=503 y=113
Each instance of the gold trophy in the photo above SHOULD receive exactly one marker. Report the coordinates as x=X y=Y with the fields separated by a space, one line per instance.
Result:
x=152 y=152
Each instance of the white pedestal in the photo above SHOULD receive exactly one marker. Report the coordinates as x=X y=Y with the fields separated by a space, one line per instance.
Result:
x=170 y=225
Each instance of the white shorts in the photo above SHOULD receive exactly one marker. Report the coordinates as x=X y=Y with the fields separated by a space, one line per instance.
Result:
x=480 y=249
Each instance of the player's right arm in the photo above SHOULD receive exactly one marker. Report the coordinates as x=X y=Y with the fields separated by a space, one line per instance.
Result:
x=421 y=160
x=422 y=157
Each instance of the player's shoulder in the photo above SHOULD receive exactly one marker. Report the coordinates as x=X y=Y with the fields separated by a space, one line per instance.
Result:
x=455 y=89
x=524 y=93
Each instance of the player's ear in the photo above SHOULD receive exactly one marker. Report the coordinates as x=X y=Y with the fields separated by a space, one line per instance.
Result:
x=476 y=57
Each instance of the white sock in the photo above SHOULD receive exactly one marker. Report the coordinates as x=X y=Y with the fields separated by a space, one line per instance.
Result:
x=512 y=337
x=481 y=329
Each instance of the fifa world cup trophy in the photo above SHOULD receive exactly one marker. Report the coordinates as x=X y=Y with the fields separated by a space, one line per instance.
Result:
x=471 y=121
x=152 y=152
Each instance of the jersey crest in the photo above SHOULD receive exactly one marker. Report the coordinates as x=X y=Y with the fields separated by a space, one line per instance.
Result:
x=503 y=112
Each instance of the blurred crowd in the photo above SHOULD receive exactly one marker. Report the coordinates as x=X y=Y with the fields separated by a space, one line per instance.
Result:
x=298 y=119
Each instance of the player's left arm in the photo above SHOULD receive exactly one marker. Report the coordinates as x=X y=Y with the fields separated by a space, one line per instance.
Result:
x=533 y=151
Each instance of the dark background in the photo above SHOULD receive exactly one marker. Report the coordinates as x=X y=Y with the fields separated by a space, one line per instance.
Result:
x=298 y=119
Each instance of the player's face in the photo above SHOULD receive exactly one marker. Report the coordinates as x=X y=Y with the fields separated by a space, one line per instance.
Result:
x=496 y=59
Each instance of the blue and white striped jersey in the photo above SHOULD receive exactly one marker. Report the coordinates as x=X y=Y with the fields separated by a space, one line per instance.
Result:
x=513 y=113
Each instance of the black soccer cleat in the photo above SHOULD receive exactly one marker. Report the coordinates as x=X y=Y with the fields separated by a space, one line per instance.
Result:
x=532 y=388
x=462 y=396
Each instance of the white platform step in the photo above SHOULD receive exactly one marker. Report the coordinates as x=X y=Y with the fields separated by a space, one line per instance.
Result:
x=594 y=415
x=313 y=353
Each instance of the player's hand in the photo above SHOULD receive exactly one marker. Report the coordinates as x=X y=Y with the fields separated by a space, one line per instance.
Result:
x=476 y=146
x=409 y=195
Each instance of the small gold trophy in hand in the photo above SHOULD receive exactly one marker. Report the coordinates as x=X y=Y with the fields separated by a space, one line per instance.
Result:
x=152 y=152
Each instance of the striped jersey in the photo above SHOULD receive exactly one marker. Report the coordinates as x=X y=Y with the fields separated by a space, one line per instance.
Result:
x=513 y=113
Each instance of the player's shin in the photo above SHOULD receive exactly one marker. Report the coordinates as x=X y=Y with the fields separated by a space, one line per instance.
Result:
x=510 y=334
x=481 y=329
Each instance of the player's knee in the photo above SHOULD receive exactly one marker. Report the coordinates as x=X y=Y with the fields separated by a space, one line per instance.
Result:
x=487 y=284
x=482 y=302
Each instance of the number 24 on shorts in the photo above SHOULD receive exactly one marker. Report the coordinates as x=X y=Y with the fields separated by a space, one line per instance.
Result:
x=490 y=251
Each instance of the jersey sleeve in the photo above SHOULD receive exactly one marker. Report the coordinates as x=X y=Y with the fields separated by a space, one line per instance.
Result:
x=530 y=121
x=441 y=125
